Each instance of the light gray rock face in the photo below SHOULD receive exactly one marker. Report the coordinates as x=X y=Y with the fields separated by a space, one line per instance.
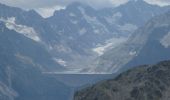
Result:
x=22 y=61
x=148 y=82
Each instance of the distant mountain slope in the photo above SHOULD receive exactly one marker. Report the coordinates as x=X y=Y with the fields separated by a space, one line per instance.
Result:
x=15 y=46
x=75 y=36
x=148 y=82
x=85 y=31
x=138 y=12
x=28 y=18
x=149 y=44
x=22 y=65
x=22 y=61
x=82 y=22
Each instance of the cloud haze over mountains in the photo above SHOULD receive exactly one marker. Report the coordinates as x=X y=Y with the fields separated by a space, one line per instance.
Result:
x=47 y=7
x=31 y=4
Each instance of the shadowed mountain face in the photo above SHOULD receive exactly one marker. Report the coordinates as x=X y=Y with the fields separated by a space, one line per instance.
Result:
x=148 y=82
x=21 y=64
x=25 y=57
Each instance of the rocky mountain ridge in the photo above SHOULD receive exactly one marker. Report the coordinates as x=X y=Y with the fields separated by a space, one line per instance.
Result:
x=147 y=82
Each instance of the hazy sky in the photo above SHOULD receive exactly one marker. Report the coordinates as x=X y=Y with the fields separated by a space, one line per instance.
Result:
x=47 y=7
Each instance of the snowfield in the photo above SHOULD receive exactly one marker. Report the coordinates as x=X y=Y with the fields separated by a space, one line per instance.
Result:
x=109 y=44
x=28 y=32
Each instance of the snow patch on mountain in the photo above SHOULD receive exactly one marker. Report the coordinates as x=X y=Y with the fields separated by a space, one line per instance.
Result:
x=88 y=18
x=112 y=19
x=74 y=21
x=25 y=59
x=165 y=41
x=61 y=62
x=72 y=15
x=109 y=44
x=100 y=50
x=8 y=91
x=132 y=53
x=28 y=32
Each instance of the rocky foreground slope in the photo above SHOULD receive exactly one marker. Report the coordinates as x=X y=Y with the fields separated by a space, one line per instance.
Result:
x=147 y=82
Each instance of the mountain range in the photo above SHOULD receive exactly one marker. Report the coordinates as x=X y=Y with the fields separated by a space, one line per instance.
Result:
x=75 y=36
x=76 y=40
x=147 y=45
x=88 y=33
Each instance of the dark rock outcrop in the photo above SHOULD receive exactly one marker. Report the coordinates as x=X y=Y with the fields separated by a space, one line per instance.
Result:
x=148 y=82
